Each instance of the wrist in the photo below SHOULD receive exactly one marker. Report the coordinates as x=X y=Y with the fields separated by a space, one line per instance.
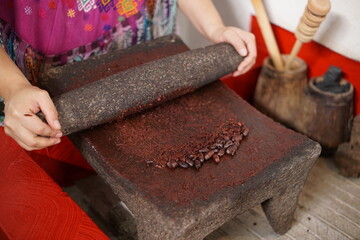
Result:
x=14 y=85
x=213 y=32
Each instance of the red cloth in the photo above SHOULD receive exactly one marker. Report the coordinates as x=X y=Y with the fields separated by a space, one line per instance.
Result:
x=32 y=205
x=66 y=152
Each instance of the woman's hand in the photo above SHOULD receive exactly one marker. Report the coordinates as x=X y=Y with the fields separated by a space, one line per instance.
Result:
x=206 y=19
x=24 y=126
x=242 y=41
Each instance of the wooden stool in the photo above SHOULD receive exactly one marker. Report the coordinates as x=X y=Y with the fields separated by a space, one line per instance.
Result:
x=269 y=168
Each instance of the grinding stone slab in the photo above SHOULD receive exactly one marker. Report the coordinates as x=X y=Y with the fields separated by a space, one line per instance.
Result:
x=71 y=76
x=269 y=168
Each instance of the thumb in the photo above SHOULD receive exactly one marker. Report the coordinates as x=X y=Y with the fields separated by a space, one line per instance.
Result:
x=48 y=108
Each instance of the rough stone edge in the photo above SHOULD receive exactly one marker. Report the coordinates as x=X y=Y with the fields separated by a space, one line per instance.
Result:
x=233 y=206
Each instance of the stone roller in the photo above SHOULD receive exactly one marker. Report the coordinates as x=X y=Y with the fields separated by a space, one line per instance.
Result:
x=142 y=87
x=314 y=14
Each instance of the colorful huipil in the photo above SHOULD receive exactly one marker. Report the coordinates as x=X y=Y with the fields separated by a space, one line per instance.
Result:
x=40 y=34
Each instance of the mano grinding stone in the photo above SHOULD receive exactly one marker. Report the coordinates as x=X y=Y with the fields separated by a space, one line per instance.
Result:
x=143 y=86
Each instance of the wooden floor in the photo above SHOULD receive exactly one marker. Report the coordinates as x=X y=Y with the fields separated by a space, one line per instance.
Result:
x=329 y=209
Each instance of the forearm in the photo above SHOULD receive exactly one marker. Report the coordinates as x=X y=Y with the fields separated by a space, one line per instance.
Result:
x=203 y=15
x=206 y=19
x=11 y=78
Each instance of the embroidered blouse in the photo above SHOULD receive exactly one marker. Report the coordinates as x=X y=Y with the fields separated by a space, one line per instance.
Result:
x=40 y=34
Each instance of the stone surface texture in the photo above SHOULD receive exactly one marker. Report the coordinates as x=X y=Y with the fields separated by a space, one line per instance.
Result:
x=347 y=157
x=147 y=85
x=269 y=168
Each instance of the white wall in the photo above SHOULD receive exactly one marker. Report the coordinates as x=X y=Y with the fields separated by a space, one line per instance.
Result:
x=339 y=32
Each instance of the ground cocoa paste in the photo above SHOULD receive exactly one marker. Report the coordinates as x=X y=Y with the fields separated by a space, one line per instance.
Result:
x=199 y=138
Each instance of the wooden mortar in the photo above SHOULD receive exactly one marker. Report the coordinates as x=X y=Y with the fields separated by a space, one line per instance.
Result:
x=326 y=116
x=278 y=94
x=286 y=97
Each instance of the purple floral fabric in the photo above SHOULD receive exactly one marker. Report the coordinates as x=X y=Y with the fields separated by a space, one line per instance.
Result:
x=38 y=34
x=41 y=34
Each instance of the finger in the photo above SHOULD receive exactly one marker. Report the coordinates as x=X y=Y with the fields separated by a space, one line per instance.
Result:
x=250 y=43
x=48 y=108
x=244 y=65
x=250 y=59
x=233 y=38
x=236 y=73
x=31 y=141
x=24 y=146
x=44 y=142
x=37 y=127
x=11 y=134
x=247 y=68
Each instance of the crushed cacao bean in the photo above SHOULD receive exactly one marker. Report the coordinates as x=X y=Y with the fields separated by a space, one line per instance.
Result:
x=245 y=132
x=219 y=145
x=149 y=163
x=227 y=141
x=190 y=162
x=231 y=150
x=228 y=144
x=201 y=157
x=209 y=155
x=237 y=138
x=213 y=146
x=221 y=152
x=197 y=164
x=172 y=164
x=216 y=158
x=204 y=150
x=183 y=164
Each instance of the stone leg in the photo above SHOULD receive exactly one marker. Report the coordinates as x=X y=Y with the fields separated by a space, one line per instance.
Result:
x=280 y=210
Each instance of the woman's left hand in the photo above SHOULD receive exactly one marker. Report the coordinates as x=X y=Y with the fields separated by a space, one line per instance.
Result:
x=209 y=23
x=242 y=41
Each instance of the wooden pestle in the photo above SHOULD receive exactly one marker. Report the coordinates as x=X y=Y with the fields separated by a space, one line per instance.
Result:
x=314 y=14
x=268 y=35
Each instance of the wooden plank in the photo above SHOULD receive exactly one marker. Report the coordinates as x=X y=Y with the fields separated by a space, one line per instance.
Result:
x=328 y=209
x=325 y=171
x=329 y=216
x=239 y=231
x=256 y=222
x=297 y=231
x=318 y=226
x=337 y=194
x=339 y=199
x=231 y=231
x=344 y=209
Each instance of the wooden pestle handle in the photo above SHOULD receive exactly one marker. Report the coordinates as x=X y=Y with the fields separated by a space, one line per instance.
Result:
x=314 y=14
x=268 y=34
x=319 y=7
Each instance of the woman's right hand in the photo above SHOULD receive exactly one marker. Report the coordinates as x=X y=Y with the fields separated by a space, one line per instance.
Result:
x=22 y=124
